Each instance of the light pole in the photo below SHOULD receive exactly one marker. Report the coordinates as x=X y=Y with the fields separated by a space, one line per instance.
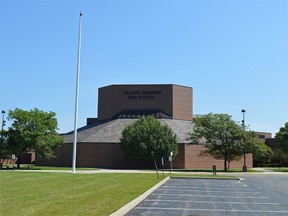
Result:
x=76 y=99
x=243 y=125
x=2 y=128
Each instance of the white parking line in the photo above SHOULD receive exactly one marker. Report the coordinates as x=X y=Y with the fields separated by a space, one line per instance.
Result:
x=193 y=195
x=189 y=201
x=208 y=191
x=214 y=210
x=211 y=187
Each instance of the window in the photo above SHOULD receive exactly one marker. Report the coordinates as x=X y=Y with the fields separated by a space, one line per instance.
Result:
x=261 y=136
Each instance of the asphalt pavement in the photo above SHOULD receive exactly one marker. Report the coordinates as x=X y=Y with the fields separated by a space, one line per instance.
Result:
x=253 y=195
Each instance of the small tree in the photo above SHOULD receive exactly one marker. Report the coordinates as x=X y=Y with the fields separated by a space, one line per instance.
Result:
x=262 y=153
x=220 y=134
x=4 y=153
x=248 y=143
x=146 y=139
x=32 y=129
x=282 y=137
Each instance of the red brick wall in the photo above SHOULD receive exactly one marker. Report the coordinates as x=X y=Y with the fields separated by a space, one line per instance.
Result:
x=173 y=100
x=109 y=155
x=193 y=160
x=182 y=103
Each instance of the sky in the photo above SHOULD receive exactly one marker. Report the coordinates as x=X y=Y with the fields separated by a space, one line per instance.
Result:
x=234 y=54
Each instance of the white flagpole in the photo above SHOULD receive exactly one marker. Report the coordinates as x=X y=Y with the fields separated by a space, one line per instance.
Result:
x=76 y=99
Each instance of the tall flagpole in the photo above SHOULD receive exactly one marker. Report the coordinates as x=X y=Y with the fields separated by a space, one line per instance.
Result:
x=76 y=99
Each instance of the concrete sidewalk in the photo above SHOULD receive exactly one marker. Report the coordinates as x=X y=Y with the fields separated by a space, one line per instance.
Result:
x=262 y=171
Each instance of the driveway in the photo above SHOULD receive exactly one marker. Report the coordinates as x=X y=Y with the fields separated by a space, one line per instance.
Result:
x=255 y=195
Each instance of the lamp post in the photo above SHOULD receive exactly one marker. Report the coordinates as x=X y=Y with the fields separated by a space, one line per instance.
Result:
x=76 y=99
x=2 y=128
x=243 y=125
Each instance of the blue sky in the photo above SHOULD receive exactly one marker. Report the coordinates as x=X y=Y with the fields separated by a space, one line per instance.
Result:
x=233 y=53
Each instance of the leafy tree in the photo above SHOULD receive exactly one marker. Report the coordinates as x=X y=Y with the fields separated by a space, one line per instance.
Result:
x=249 y=144
x=220 y=134
x=146 y=139
x=282 y=137
x=262 y=153
x=4 y=153
x=32 y=129
x=280 y=158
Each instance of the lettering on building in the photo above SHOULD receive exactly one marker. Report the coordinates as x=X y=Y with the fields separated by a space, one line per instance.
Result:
x=149 y=95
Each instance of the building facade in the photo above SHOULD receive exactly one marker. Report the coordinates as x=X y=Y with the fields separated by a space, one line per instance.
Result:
x=98 y=143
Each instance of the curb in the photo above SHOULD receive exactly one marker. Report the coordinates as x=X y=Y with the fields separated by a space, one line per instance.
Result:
x=132 y=204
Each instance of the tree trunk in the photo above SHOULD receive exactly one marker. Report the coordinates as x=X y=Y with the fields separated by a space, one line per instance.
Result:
x=225 y=162
x=18 y=161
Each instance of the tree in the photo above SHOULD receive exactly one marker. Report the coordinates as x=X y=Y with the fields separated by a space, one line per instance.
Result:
x=262 y=153
x=220 y=134
x=146 y=139
x=4 y=152
x=32 y=129
x=280 y=158
x=249 y=144
x=282 y=137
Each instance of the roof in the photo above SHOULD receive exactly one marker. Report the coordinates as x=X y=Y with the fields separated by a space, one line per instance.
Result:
x=136 y=113
x=111 y=131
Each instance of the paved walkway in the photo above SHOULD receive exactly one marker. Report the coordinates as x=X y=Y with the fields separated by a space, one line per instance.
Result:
x=262 y=171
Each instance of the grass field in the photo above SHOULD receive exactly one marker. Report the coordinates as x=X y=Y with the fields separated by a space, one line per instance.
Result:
x=30 y=193
x=26 y=193
x=279 y=169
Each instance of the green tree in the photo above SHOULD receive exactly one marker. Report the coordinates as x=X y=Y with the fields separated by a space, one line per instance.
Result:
x=220 y=134
x=280 y=158
x=262 y=153
x=249 y=144
x=32 y=129
x=146 y=139
x=4 y=152
x=282 y=137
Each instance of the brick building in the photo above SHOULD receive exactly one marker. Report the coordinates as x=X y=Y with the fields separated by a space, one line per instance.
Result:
x=98 y=143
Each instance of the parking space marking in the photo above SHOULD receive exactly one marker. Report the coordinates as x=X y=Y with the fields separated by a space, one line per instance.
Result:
x=214 y=210
x=194 y=201
x=206 y=188
x=193 y=195
x=207 y=191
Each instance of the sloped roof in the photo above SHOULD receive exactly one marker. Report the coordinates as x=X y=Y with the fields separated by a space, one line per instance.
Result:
x=111 y=131
x=136 y=113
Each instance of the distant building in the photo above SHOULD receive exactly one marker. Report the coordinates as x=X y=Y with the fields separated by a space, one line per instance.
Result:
x=98 y=143
x=266 y=138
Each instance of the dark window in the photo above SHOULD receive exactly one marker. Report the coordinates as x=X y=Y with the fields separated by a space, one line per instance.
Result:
x=260 y=136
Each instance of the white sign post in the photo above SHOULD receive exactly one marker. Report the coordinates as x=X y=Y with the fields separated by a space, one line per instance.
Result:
x=170 y=159
x=162 y=160
x=13 y=159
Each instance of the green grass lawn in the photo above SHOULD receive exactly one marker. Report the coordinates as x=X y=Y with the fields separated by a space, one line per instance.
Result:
x=26 y=193
x=30 y=193
x=279 y=169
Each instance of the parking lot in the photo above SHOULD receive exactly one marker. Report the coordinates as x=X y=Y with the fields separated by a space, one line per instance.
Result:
x=256 y=195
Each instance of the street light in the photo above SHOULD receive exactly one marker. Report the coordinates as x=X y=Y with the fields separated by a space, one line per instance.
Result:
x=76 y=99
x=2 y=128
x=243 y=125
x=243 y=121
